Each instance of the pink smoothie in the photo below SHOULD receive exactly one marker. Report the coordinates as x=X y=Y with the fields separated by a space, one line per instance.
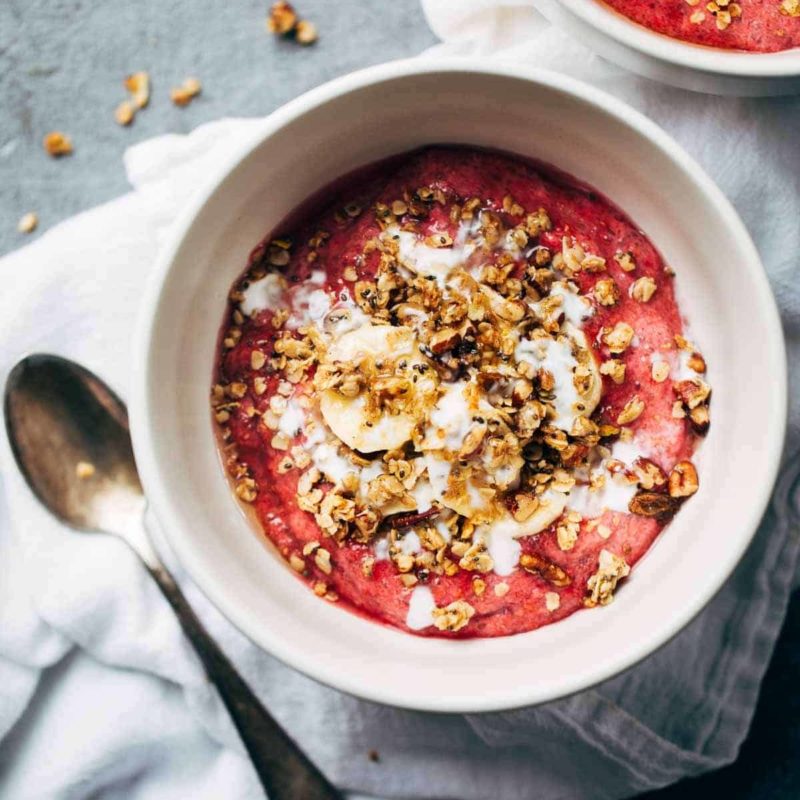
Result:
x=758 y=26
x=526 y=600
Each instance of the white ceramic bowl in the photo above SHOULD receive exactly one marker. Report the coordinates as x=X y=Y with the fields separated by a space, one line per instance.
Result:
x=679 y=63
x=393 y=108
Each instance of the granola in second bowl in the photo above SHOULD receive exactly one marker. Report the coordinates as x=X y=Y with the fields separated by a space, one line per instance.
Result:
x=759 y=26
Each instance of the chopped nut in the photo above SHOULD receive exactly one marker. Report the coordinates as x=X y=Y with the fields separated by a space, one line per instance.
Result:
x=280 y=441
x=84 y=469
x=696 y=362
x=537 y=565
x=700 y=419
x=285 y=465
x=633 y=410
x=445 y=339
x=478 y=587
x=57 y=144
x=552 y=601
x=501 y=589
x=453 y=617
x=567 y=530
x=186 y=92
x=28 y=222
x=643 y=289
x=606 y=292
x=524 y=506
x=611 y=569
x=322 y=558
x=653 y=504
x=677 y=410
x=259 y=385
x=124 y=113
x=649 y=474
x=138 y=84
x=683 y=480
x=296 y=563
x=626 y=261
x=692 y=393
x=282 y=18
x=615 y=369
x=619 y=338
x=350 y=274
x=257 y=359
x=305 y=32
x=246 y=490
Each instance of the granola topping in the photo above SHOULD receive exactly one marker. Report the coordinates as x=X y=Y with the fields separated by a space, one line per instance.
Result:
x=458 y=390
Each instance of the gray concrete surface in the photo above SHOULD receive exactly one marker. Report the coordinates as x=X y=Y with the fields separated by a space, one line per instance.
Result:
x=62 y=63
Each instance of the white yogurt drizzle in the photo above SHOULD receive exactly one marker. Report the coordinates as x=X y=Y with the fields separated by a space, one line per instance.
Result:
x=420 y=608
x=556 y=357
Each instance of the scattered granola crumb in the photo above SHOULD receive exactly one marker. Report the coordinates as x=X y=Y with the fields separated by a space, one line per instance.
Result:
x=283 y=21
x=306 y=32
x=84 y=469
x=186 y=92
x=57 y=144
x=501 y=589
x=453 y=617
x=124 y=113
x=28 y=222
x=643 y=289
x=611 y=568
x=282 y=18
x=138 y=84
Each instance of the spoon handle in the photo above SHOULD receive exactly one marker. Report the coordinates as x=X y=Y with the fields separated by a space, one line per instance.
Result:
x=284 y=770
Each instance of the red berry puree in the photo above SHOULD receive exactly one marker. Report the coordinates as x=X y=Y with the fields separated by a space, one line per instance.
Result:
x=758 y=26
x=456 y=391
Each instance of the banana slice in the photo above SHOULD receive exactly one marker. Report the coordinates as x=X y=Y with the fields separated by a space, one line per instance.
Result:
x=501 y=535
x=577 y=382
x=347 y=416
x=466 y=498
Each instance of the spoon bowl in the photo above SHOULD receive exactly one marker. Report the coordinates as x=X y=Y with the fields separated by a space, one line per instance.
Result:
x=69 y=434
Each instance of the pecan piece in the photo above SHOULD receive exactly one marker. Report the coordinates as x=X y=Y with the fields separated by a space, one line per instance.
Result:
x=653 y=504
x=700 y=419
x=683 y=480
x=444 y=340
x=551 y=572
x=692 y=392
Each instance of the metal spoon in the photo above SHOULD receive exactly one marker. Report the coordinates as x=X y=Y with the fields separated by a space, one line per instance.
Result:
x=69 y=434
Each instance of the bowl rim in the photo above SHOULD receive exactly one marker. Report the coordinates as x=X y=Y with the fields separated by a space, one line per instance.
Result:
x=153 y=474
x=632 y=35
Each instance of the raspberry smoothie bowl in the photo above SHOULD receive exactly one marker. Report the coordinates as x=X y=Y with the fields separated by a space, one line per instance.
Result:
x=454 y=393
x=758 y=26
x=457 y=392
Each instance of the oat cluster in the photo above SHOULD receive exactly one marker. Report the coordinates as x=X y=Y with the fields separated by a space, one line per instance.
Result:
x=508 y=302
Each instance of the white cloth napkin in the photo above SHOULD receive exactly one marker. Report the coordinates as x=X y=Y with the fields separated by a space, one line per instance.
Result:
x=100 y=696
